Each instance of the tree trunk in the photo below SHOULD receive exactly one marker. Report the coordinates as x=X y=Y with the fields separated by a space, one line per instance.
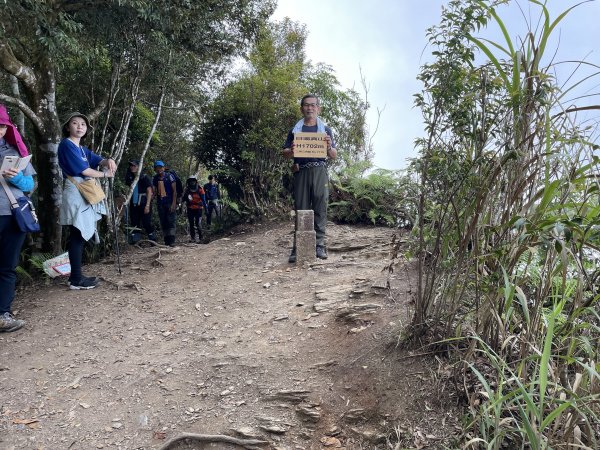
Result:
x=39 y=87
x=42 y=99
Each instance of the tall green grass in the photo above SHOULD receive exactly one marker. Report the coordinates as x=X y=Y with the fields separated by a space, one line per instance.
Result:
x=508 y=233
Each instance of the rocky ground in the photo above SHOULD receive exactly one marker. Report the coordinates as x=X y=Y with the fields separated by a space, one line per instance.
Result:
x=226 y=338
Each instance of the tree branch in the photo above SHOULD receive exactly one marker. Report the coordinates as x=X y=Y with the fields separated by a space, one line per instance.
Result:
x=93 y=115
x=37 y=122
x=10 y=63
x=575 y=109
x=146 y=147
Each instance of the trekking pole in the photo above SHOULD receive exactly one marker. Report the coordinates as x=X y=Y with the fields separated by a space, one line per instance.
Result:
x=127 y=226
x=114 y=224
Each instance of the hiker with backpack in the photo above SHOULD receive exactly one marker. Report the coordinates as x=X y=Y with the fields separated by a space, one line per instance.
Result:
x=178 y=183
x=140 y=205
x=195 y=200
x=12 y=237
x=213 y=196
x=165 y=191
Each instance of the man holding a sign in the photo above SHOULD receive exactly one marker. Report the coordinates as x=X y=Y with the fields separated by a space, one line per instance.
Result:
x=310 y=143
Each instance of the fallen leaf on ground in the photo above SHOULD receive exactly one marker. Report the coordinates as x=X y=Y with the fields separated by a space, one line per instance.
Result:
x=159 y=435
x=25 y=421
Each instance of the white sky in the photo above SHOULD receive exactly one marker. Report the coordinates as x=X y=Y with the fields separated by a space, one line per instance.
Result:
x=386 y=40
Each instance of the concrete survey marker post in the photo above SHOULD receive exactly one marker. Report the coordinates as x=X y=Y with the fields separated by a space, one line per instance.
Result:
x=306 y=238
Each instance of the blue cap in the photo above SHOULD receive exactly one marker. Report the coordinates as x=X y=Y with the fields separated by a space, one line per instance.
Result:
x=159 y=163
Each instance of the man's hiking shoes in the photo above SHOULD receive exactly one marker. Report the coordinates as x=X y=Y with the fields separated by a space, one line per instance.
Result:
x=8 y=323
x=321 y=252
x=292 y=258
x=84 y=283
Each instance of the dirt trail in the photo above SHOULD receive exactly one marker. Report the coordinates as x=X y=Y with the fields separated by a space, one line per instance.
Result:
x=223 y=338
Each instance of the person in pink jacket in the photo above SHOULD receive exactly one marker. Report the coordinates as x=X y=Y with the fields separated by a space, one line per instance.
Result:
x=11 y=236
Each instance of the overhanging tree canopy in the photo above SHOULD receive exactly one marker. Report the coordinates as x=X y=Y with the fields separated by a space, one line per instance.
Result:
x=37 y=37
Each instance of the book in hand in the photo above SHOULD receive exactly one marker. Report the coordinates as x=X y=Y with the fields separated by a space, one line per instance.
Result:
x=15 y=162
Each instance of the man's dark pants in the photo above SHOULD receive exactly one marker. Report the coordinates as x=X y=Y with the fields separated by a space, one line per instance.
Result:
x=311 y=191
x=213 y=205
x=139 y=219
x=194 y=220
x=167 y=222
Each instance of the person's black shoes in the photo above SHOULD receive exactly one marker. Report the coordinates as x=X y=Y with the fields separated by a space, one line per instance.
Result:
x=84 y=283
x=292 y=258
x=321 y=252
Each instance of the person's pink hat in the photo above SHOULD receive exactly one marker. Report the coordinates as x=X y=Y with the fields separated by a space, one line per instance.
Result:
x=12 y=135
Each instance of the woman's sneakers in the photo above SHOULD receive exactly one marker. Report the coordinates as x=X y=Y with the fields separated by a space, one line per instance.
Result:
x=8 y=323
x=84 y=283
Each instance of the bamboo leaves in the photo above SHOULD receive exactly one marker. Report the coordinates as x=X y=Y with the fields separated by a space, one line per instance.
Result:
x=509 y=223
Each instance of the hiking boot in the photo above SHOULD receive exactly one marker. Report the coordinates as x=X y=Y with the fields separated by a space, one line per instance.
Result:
x=197 y=240
x=84 y=283
x=321 y=252
x=8 y=323
x=292 y=258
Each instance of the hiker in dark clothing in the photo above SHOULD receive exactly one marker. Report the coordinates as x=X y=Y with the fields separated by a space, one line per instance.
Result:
x=140 y=205
x=165 y=191
x=213 y=197
x=178 y=183
x=195 y=201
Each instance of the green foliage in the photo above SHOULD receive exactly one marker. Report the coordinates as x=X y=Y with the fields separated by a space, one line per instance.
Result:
x=22 y=273
x=37 y=260
x=516 y=412
x=242 y=131
x=243 y=128
x=141 y=124
x=384 y=197
x=54 y=32
x=32 y=267
x=507 y=249
x=345 y=112
x=105 y=58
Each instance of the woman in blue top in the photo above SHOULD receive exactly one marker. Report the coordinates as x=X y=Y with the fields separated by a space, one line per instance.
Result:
x=79 y=162
x=11 y=236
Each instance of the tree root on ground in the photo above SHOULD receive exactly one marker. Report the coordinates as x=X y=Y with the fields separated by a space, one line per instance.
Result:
x=152 y=243
x=157 y=262
x=245 y=443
